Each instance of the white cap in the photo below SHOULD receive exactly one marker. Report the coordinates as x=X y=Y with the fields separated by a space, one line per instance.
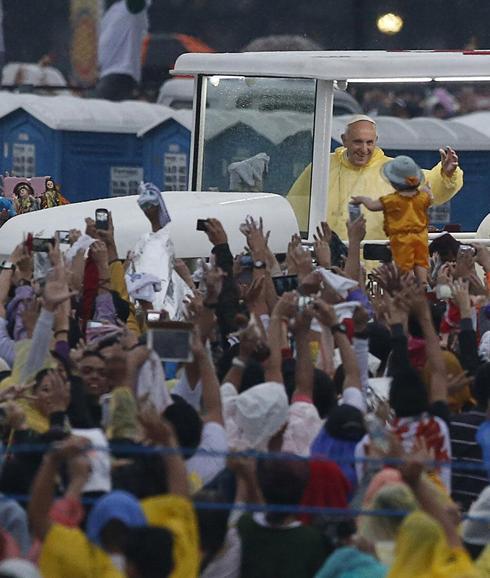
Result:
x=359 y=117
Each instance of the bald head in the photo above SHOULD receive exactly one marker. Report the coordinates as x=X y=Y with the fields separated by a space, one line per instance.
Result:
x=360 y=139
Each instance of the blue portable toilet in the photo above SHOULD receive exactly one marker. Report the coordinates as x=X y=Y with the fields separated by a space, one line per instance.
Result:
x=294 y=149
x=421 y=138
x=89 y=146
x=8 y=103
x=166 y=150
x=231 y=136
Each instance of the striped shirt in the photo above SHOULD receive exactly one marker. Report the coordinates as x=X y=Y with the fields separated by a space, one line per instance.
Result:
x=467 y=484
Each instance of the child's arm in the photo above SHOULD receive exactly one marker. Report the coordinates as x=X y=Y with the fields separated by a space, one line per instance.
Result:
x=370 y=204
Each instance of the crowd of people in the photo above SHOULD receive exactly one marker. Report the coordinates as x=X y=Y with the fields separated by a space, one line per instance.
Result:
x=442 y=101
x=326 y=423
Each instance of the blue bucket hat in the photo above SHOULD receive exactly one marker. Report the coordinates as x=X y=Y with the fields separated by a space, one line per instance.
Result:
x=117 y=505
x=403 y=173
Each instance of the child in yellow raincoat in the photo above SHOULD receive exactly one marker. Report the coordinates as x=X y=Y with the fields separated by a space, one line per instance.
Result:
x=406 y=218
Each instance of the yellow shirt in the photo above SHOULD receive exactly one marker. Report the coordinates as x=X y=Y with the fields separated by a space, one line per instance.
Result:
x=403 y=214
x=67 y=552
x=177 y=514
x=347 y=180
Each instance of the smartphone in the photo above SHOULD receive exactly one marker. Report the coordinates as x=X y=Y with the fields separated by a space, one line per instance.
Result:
x=156 y=316
x=102 y=219
x=171 y=340
x=202 y=225
x=62 y=237
x=285 y=283
x=40 y=245
x=354 y=211
x=304 y=301
x=377 y=252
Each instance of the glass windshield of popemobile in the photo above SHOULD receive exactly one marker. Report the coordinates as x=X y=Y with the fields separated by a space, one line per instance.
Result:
x=257 y=136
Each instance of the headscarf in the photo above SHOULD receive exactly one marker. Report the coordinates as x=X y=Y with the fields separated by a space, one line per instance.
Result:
x=393 y=496
x=117 y=505
x=383 y=478
x=349 y=562
x=254 y=416
x=327 y=488
x=149 y=194
x=422 y=551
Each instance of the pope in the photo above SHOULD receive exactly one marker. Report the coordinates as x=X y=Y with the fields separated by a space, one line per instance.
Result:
x=355 y=169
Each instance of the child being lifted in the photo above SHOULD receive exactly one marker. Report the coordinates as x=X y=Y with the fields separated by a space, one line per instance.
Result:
x=406 y=218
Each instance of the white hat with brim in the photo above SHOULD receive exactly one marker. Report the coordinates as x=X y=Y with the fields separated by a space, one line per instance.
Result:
x=403 y=173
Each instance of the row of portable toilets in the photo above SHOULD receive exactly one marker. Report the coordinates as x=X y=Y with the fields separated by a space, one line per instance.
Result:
x=96 y=149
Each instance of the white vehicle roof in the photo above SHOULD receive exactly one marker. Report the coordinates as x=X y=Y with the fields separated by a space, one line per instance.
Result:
x=86 y=114
x=336 y=65
x=184 y=208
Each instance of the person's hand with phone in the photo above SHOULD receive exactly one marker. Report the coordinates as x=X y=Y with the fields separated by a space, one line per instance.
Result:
x=465 y=263
x=216 y=232
x=107 y=236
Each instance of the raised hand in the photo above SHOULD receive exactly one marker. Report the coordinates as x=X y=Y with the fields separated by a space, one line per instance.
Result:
x=157 y=430
x=56 y=289
x=356 y=230
x=215 y=232
x=461 y=296
x=325 y=313
x=449 y=161
x=322 y=239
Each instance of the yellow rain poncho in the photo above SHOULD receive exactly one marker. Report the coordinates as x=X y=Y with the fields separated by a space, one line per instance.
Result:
x=422 y=551
x=347 y=180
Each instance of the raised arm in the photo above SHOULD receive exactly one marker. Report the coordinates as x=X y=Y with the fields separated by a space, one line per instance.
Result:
x=211 y=398
x=303 y=377
x=326 y=315
x=356 y=231
x=370 y=204
x=438 y=382
x=277 y=335
x=160 y=432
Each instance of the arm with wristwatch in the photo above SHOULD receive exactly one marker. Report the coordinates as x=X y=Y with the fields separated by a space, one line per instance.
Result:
x=326 y=315
x=227 y=305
